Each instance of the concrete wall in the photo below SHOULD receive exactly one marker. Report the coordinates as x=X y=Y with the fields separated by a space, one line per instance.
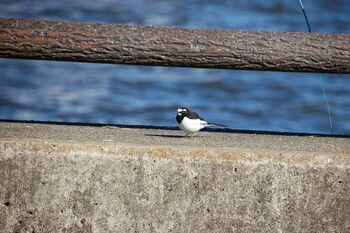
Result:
x=70 y=178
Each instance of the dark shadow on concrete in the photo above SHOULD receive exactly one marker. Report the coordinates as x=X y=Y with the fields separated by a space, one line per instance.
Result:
x=173 y=136
x=227 y=130
x=165 y=135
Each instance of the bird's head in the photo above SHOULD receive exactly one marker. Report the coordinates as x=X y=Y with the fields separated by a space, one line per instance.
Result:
x=182 y=111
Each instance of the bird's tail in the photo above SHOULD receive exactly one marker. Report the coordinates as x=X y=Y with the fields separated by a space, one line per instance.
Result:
x=214 y=124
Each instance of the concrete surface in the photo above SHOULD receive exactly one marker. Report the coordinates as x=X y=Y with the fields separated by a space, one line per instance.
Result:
x=92 y=178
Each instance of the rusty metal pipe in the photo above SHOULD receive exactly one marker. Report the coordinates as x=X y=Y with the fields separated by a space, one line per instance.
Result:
x=177 y=47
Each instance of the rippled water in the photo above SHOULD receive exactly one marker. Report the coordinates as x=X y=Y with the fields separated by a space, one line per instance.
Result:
x=120 y=94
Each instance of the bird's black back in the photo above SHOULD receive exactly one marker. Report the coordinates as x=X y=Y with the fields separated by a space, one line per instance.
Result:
x=189 y=114
x=193 y=115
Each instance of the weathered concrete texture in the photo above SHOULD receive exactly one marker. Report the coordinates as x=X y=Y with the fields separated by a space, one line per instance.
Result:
x=61 y=178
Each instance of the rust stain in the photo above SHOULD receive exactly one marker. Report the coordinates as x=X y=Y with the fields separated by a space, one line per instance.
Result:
x=2 y=189
x=213 y=156
x=230 y=156
x=199 y=153
x=40 y=147
x=161 y=152
x=63 y=148
x=302 y=159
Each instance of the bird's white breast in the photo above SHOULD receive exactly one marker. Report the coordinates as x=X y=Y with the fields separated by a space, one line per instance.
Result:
x=192 y=125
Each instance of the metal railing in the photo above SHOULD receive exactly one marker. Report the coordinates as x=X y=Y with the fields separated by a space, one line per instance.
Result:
x=177 y=47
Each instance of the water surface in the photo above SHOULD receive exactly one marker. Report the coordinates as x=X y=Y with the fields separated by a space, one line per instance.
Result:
x=121 y=94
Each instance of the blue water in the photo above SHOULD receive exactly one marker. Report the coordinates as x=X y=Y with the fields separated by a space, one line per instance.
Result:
x=120 y=94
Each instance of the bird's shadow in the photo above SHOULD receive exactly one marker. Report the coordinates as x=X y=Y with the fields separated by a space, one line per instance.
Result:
x=170 y=136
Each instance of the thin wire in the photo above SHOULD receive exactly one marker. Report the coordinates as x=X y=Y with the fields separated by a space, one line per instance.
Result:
x=327 y=104
x=305 y=16
x=320 y=75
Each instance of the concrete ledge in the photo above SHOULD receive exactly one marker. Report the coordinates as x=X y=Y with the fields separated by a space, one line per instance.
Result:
x=70 y=178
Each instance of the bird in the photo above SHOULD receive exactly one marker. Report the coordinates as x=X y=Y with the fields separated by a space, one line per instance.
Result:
x=191 y=122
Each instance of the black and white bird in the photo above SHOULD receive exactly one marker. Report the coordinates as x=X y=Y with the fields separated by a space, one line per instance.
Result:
x=191 y=122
